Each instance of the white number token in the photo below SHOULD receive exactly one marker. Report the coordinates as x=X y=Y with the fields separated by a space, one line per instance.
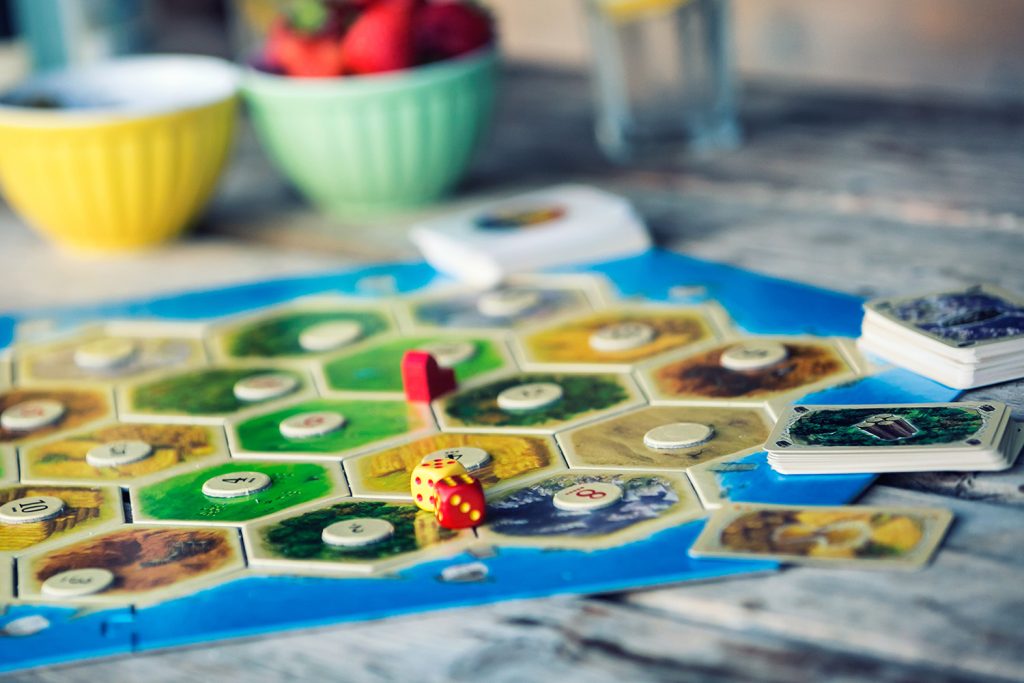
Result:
x=76 y=583
x=105 y=354
x=450 y=353
x=584 y=497
x=116 y=453
x=30 y=509
x=236 y=484
x=309 y=425
x=468 y=456
x=505 y=303
x=622 y=337
x=330 y=335
x=532 y=396
x=29 y=415
x=265 y=386
x=753 y=355
x=678 y=435
x=355 y=533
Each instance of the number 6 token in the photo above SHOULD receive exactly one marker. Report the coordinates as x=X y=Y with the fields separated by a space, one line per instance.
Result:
x=589 y=496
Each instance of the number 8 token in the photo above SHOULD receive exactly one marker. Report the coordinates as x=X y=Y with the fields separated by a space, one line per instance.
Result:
x=589 y=496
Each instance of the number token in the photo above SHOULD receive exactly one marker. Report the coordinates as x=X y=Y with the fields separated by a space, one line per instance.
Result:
x=30 y=509
x=753 y=355
x=590 y=496
x=330 y=335
x=116 y=453
x=309 y=425
x=76 y=583
x=29 y=415
x=505 y=303
x=105 y=354
x=265 y=386
x=450 y=353
x=622 y=337
x=468 y=456
x=356 y=533
x=236 y=484
x=532 y=396
x=678 y=435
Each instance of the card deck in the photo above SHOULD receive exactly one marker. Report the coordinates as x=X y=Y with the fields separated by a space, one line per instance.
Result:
x=964 y=338
x=854 y=536
x=894 y=438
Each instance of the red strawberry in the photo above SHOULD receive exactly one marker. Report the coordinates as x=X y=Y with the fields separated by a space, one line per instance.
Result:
x=381 y=38
x=304 y=55
x=448 y=29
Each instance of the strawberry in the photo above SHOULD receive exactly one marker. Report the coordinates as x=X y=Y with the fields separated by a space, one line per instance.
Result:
x=380 y=39
x=448 y=29
x=306 y=41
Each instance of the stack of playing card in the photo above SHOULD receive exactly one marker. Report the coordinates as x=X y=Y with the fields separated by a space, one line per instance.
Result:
x=963 y=339
x=559 y=225
x=895 y=438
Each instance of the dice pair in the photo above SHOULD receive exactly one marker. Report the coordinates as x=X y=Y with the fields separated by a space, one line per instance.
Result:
x=442 y=486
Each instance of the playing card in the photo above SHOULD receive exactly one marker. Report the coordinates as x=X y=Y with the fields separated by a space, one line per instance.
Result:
x=975 y=317
x=895 y=428
x=861 y=537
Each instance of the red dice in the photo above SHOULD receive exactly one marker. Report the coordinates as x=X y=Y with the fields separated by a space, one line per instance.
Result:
x=459 y=502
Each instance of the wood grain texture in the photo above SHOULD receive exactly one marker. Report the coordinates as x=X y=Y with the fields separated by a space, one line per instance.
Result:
x=867 y=196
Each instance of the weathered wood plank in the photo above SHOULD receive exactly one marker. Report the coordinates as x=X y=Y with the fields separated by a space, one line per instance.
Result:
x=963 y=613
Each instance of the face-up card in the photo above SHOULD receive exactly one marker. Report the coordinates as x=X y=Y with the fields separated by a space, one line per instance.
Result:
x=863 y=537
x=896 y=428
x=968 y=318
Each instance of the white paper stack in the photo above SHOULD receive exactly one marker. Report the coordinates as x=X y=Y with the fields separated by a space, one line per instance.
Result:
x=927 y=437
x=963 y=339
x=560 y=225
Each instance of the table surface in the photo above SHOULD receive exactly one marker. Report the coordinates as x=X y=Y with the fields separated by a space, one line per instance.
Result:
x=855 y=194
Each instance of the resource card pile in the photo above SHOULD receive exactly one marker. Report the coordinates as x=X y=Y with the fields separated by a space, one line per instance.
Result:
x=554 y=226
x=895 y=438
x=963 y=339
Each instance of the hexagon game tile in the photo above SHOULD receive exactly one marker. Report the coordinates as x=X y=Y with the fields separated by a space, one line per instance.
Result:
x=584 y=397
x=613 y=340
x=283 y=333
x=86 y=510
x=292 y=542
x=149 y=563
x=650 y=502
x=174 y=447
x=524 y=300
x=513 y=458
x=82 y=406
x=203 y=396
x=376 y=367
x=8 y=464
x=110 y=353
x=182 y=499
x=366 y=424
x=618 y=442
x=810 y=364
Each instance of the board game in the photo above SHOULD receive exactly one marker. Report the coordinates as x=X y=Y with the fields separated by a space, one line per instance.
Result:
x=154 y=491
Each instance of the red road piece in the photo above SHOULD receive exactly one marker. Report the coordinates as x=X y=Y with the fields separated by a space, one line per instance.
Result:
x=423 y=379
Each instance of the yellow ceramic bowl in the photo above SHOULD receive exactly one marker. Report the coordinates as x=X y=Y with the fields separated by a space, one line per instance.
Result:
x=128 y=159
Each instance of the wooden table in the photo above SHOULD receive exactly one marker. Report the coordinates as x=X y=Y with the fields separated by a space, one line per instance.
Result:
x=856 y=194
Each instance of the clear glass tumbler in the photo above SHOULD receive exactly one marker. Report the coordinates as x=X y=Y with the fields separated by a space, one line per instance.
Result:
x=663 y=77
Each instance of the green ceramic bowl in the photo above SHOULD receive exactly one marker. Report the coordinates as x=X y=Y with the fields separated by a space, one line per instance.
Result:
x=362 y=145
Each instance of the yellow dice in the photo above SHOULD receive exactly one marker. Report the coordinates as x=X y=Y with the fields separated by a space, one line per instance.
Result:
x=426 y=475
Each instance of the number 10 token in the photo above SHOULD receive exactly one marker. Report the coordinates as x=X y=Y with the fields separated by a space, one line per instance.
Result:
x=589 y=496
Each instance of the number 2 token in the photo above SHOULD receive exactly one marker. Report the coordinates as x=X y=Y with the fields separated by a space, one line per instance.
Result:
x=355 y=533
x=590 y=496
